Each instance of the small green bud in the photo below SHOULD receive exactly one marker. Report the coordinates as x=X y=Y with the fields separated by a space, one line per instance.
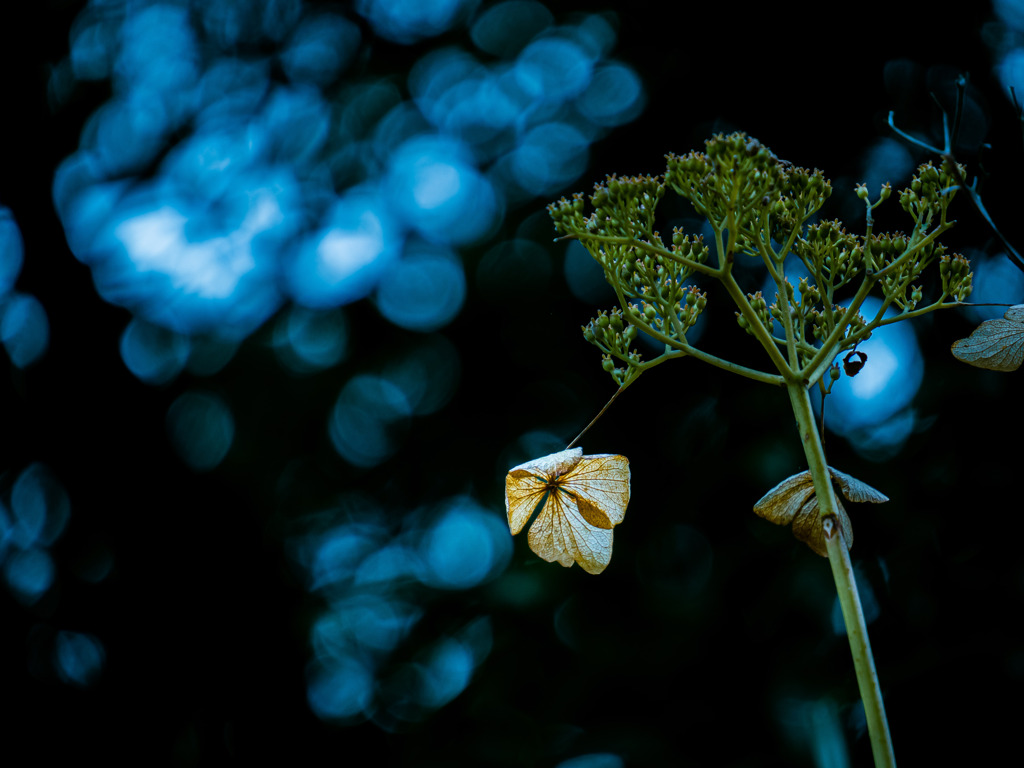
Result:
x=607 y=363
x=834 y=373
x=862 y=191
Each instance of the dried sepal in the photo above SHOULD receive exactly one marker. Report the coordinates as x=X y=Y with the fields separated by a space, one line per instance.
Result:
x=856 y=490
x=997 y=345
x=793 y=501
x=581 y=498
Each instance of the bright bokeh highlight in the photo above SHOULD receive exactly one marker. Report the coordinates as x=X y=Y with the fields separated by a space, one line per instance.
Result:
x=998 y=281
x=259 y=167
x=215 y=188
x=24 y=327
x=32 y=518
x=373 y=411
x=376 y=580
x=12 y=250
x=872 y=410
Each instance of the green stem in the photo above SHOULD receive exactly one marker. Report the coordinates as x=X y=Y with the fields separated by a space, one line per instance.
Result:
x=681 y=348
x=846 y=586
x=860 y=645
x=754 y=323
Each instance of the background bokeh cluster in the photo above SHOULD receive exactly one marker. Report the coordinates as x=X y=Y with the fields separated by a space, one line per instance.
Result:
x=280 y=305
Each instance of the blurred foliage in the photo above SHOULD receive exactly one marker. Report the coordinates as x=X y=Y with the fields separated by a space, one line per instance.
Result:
x=267 y=521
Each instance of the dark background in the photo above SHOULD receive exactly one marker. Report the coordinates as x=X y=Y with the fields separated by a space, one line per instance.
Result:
x=708 y=641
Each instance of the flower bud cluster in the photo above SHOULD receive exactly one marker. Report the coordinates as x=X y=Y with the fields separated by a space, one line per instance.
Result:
x=801 y=193
x=837 y=254
x=955 y=272
x=567 y=215
x=673 y=317
x=690 y=176
x=863 y=194
x=761 y=309
x=819 y=326
x=822 y=325
x=759 y=205
x=857 y=322
x=899 y=285
x=658 y=281
x=613 y=334
x=624 y=207
x=734 y=173
x=618 y=373
x=737 y=176
x=809 y=293
x=610 y=330
x=654 y=270
x=930 y=191
x=886 y=247
x=689 y=248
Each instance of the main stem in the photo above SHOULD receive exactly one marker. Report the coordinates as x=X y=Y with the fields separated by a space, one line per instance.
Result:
x=846 y=585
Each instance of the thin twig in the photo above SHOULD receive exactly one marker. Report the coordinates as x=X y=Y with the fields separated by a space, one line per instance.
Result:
x=599 y=415
x=946 y=153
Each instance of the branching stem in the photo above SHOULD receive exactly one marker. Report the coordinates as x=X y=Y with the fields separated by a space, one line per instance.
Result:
x=759 y=206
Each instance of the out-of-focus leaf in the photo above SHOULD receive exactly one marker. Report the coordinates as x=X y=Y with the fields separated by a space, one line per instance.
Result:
x=794 y=501
x=997 y=345
x=581 y=497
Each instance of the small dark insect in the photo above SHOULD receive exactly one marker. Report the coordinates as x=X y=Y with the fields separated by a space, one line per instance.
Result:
x=853 y=362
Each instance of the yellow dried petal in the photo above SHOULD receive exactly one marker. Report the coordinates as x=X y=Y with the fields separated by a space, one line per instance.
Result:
x=581 y=497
